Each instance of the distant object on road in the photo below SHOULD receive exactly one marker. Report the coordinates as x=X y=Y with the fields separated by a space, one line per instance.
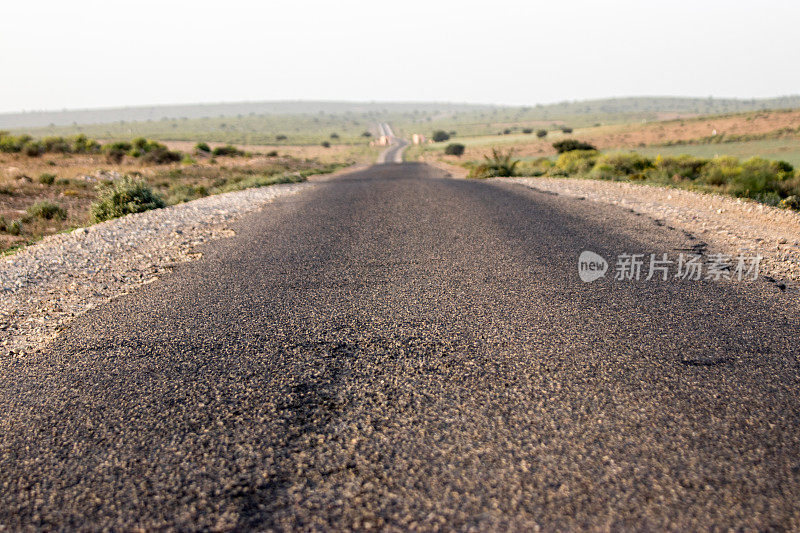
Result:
x=418 y=138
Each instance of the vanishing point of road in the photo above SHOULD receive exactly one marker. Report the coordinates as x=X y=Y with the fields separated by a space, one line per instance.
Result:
x=397 y=349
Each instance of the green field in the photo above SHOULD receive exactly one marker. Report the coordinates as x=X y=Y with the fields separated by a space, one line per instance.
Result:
x=782 y=149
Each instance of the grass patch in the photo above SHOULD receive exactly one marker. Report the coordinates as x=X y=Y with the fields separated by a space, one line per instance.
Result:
x=498 y=164
x=47 y=178
x=47 y=211
x=124 y=197
x=774 y=183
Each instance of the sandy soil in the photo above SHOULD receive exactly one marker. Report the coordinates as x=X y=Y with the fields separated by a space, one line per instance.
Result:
x=631 y=136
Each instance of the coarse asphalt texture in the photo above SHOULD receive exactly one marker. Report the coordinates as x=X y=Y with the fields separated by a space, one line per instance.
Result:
x=395 y=349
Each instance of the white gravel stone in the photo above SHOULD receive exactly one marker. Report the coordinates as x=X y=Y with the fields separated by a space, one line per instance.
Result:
x=46 y=285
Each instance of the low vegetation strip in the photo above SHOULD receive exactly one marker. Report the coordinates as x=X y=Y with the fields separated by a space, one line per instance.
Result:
x=44 y=286
x=728 y=225
x=56 y=184
x=775 y=183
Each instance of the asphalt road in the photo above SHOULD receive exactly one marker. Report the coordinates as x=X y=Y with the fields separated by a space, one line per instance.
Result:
x=395 y=349
x=393 y=154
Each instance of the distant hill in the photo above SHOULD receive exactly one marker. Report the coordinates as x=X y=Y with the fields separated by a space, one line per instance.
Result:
x=644 y=106
x=41 y=119
x=663 y=104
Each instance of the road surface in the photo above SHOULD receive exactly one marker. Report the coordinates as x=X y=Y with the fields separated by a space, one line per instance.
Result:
x=395 y=349
x=393 y=154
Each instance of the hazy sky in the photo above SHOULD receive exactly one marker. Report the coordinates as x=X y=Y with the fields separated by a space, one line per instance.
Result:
x=92 y=53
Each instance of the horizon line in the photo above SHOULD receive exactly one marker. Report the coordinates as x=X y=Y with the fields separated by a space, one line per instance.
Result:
x=395 y=102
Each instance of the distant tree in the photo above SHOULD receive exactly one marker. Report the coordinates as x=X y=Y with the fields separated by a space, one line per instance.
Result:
x=568 y=145
x=566 y=129
x=366 y=134
x=334 y=135
x=527 y=131
x=280 y=137
x=202 y=147
x=440 y=136
x=541 y=133
x=326 y=144
x=455 y=149
x=506 y=131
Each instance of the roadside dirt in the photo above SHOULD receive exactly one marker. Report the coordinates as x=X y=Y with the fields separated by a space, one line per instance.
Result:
x=637 y=135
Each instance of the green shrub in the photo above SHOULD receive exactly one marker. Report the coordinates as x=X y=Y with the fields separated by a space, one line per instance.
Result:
x=440 y=136
x=153 y=152
x=116 y=151
x=55 y=145
x=124 y=197
x=15 y=228
x=280 y=137
x=758 y=179
x=566 y=130
x=33 y=149
x=568 y=145
x=325 y=144
x=784 y=167
x=683 y=166
x=202 y=147
x=83 y=145
x=118 y=145
x=537 y=167
x=47 y=178
x=720 y=170
x=366 y=134
x=47 y=211
x=577 y=161
x=498 y=164
x=227 y=150
x=272 y=153
x=115 y=155
x=10 y=144
x=623 y=164
x=334 y=135
x=766 y=181
x=527 y=131
x=455 y=149
x=541 y=133
x=140 y=144
x=161 y=156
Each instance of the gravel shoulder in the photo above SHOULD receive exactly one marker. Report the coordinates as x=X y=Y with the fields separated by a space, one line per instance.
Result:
x=47 y=285
x=729 y=225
